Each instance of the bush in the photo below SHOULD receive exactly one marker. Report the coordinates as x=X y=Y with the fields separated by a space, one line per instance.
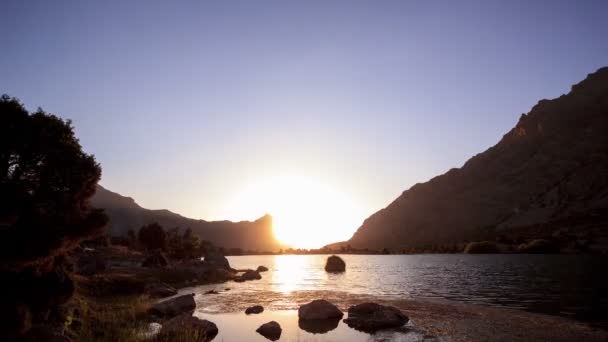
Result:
x=481 y=247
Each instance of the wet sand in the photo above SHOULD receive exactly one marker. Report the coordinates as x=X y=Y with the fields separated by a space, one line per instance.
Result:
x=429 y=320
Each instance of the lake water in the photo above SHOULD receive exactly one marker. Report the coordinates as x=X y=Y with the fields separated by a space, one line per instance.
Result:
x=566 y=285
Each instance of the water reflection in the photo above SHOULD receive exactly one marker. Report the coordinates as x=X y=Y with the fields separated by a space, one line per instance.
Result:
x=321 y=326
x=565 y=285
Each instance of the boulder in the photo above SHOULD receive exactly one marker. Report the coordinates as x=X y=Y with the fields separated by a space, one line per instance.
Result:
x=159 y=290
x=188 y=327
x=262 y=269
x=271 y=330
x=248 y=275
x=335 y=264
x=174 y=306
x=256 y=309
x=90 y=264
x=318 y=310
x=155 y=260
x=217 y=259
x=371 y=317
x=45 y=333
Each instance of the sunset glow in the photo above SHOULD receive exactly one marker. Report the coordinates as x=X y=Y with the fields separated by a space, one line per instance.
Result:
x=307 y=213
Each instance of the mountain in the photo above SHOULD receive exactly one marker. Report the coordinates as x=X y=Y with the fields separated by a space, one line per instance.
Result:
x=547 y=176
x=126 y=214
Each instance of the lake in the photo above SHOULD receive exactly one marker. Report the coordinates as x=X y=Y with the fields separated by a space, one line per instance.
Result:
x=567 y=285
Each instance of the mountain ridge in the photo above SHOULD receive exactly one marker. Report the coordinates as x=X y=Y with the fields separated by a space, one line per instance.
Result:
x=552 y=166
x=125 y=214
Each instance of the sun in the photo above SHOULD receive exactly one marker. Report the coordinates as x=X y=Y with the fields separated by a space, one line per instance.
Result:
x=306 y=212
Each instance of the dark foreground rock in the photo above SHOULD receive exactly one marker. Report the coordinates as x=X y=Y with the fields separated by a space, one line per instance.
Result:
x=159 y=290
x=156 y=259
x=174 y=306
x=262 y=269
x=190 y=327
x=318 y=310
x=271 y=330
x=335 y=264
x=371 y=317
x=45 y=333
x=256 y=309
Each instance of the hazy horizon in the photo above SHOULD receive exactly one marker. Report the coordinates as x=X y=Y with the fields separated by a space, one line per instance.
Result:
x=198 y=108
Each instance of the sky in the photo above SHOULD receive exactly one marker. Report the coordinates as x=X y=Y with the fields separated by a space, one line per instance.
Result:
x=187 y=103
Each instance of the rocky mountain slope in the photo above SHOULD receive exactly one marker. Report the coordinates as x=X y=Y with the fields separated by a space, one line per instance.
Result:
x=126 y=214
x=547 y=176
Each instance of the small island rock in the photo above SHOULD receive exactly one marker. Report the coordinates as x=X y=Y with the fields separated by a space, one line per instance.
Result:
x=335 y=264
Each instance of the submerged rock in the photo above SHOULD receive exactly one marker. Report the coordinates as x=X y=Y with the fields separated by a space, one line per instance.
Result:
x=335 y=264
x=256 y=309
x=371 y=317
x=319 y=309
x=90 y=264
x=160 y=290
x=271 y=330
x=190 y=327
x=156 y=259
x=174 y=306
x=262 y=269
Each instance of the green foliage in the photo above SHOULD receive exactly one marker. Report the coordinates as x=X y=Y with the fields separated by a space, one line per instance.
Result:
x=152 y=236
x=481 y=247
x=46 y=181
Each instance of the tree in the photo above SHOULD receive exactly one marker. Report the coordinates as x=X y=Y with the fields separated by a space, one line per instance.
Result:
x=191 y=244
x=153 y=236
x=46 y=181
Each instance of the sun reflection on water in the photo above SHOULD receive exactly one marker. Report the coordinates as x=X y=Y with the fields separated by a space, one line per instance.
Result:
x=292 y=270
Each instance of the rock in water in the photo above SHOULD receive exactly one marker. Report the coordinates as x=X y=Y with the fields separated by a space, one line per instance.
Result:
x=90 y=264
x=256 y=309
x=174 y=306
x=335 y=264
x=190 y=327
x=271 y=330
x=156 y=259
x=160 y=290
x=319 y=309
x=248 y=275
x=371 y=317
x=262 y=269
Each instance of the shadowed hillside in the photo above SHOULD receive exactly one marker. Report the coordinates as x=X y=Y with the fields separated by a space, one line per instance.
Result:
x=126 y=214
x=547 y=176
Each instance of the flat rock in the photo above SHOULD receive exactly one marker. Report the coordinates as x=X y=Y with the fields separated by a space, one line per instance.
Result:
x=271 y=330
x=319 y=309
x=371 y=317
x=174 y=306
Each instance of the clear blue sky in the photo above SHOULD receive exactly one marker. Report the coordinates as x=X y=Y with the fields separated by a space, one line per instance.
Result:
x=185 y=102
